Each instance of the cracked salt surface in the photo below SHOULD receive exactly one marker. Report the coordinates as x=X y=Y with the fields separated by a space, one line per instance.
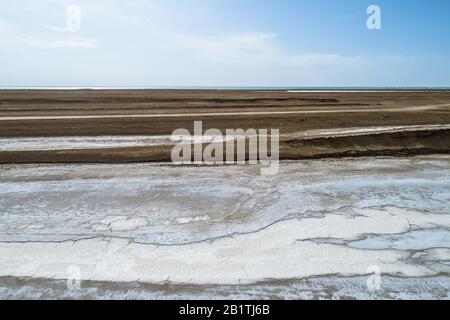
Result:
x=237 y=199
x=236 y=260
x=119 y=223
x=314 y=288
x=412 y=240
x=227 y=225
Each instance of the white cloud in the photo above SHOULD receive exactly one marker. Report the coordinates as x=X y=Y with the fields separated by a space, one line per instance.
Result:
x=57 y=29
x=234 y=47
x=11 y=37
x=64 y=43
x=256 y=48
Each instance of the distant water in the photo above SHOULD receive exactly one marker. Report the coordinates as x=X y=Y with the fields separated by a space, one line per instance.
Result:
x=230 y=88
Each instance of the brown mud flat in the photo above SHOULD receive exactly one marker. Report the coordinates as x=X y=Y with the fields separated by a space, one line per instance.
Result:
x=380 y=144
x=68 y=113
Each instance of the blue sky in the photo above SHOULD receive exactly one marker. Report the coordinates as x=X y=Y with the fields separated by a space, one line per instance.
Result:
x=224 y=43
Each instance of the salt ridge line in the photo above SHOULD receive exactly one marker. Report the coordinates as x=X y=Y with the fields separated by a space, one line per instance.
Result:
x=179 y=115
x=356 y=131
x=98 y=142
x=108 y=142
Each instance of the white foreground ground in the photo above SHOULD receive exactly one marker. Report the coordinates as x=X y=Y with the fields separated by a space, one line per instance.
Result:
x=318 y=229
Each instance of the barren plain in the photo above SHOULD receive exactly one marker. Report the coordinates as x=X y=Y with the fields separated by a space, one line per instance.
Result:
x=92 y=208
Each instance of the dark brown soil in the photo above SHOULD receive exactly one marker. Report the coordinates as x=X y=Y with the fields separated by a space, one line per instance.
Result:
x=318 y=111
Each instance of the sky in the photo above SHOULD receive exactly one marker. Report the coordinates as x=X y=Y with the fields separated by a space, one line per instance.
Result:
x=295 y=43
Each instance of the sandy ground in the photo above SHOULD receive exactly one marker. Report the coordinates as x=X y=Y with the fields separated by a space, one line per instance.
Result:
x=155 y=230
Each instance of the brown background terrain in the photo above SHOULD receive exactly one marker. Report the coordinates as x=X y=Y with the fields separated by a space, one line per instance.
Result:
x=45 y=113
